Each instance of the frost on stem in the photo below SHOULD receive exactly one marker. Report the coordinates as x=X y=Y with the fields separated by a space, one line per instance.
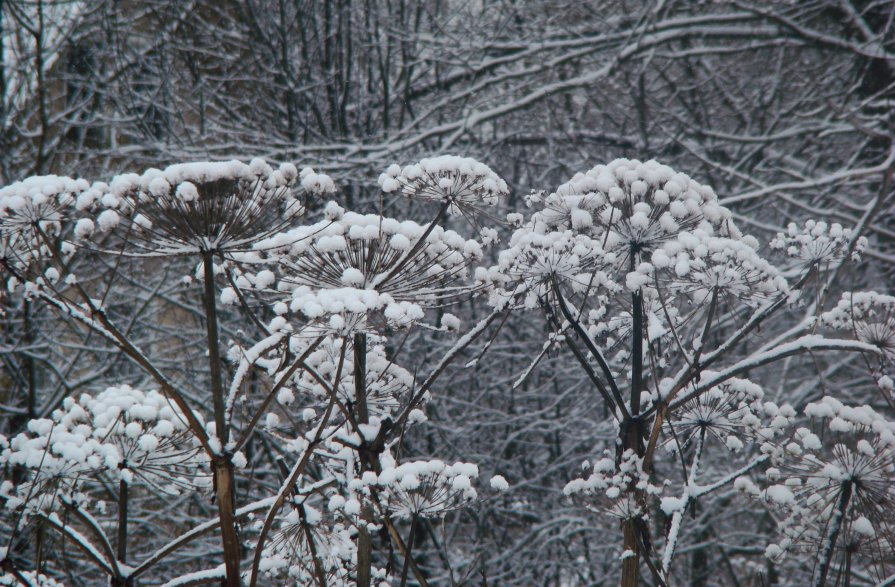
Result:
x=462 y=184
x=869 y=315
x=207 y=206
x=123 y=433
x=834 y=487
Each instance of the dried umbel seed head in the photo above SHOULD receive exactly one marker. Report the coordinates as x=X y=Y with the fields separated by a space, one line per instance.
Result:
x=308 y=546
x=606 y=488
x=700 y=266
x=208 y=207
x=361 y=265
x=728 y=412
x=463 y=185
x=136 y=436
x=388 y=386
x=32 y=211
x=536 y=263
x=816 y=243
x=836 y=496
x=427 y=488
x=869 y=315
x=633 y=207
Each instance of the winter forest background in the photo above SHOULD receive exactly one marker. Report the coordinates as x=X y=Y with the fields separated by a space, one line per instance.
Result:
x=530 y=377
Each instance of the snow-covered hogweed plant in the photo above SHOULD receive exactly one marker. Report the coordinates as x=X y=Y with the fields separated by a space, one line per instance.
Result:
x=322 y=384
x=139 y=438
x=459 y=184
x=643 y=275
x=190 y=207
x=350 y=280
x=869 y=315
x=32 y=215
x=819 y=243
x=833 y=484
x=292 y=427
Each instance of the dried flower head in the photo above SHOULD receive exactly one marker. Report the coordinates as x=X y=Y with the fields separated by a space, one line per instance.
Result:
x=818 y=242
x=869 y=315
x=608 y=487
x=208 y=207
x=427 y=488
x=464 y=186
x=360 y=265
x=33 y=209
x=700 y=266
x=632 y=208
x=309 y=548
x=837 y=496
x=728 y=412
x=387 y=385
x=539 y=262
x=138 y=437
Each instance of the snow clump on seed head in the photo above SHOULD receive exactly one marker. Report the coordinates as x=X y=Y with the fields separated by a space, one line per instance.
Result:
x=139 y=437
x=869 y=315
x=835 y=495
x=210 y=206
x=818 y=242
x=634 y=207
x=462 y=184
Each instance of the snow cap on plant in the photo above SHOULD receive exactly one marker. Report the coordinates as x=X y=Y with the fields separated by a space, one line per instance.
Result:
x=606 y=489
x=632 y=206
x=208 y=206
x=463 y=185
x=31 y=211
x=817 y=242
x=540 y=261
x=728 y=412
x=836 y=496
x=341 y=272
x=699 y=265
x=869 y=315
x=309 y=545
x=387 y=385
x=30 y=578
x=139 y=437
x=427 y=488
